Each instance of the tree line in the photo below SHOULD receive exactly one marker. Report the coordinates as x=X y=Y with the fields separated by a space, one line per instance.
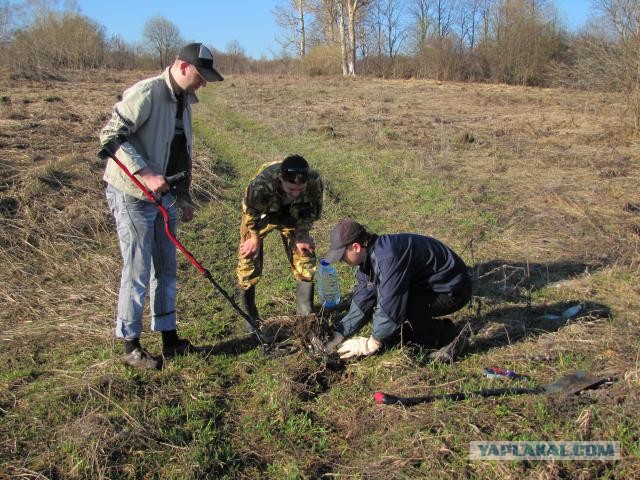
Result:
x=519 y=42
x=40 y=37
x=522 y=42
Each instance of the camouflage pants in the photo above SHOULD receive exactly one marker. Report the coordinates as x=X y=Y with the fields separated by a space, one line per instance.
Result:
x=249 y=270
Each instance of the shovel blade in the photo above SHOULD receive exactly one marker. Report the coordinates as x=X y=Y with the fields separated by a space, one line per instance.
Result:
x=572 y=383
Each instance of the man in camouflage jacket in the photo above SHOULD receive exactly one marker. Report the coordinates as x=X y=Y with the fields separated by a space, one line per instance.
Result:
x=284 y=196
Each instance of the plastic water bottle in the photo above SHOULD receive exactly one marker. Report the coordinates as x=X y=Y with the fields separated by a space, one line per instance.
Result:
x=328 y=284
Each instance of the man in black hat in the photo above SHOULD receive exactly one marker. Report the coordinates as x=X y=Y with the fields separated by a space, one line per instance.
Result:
x=400 y=277
x=152 y=123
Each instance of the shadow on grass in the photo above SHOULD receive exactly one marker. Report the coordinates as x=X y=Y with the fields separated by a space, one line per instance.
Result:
x=232 y=346
x=502 y=280
x=244 y=344
x=509 y=325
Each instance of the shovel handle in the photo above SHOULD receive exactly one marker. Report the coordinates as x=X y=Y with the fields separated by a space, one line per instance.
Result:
x=382 y=398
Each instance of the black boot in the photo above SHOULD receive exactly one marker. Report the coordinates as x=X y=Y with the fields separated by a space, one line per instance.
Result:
x=304 y=298
x=248 y=300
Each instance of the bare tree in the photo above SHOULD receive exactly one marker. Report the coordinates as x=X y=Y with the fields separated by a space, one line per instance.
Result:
x=470 y=17
x=432 y=17
x=236 y=59
x=324 y=21
x=290 y=17
x=5 y=20
x=384 y=21
x=347 y=12
x=120 y=54
x=25 y=13
x=443 y=13
x=353 y=7
x=162 y=38
x=396 y=32
x=525 y=39
x=420 y=14
x=302 y=49
x=51 y=43
x=622 y=17
x=375 y=25
x=342 y=37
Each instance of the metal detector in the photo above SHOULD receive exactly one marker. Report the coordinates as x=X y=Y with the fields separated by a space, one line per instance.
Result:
x=109 y=152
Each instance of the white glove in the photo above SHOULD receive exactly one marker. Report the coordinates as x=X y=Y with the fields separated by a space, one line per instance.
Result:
x=358 y=346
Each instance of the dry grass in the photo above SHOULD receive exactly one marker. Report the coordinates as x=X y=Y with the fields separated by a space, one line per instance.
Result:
x=554 y=160
x=534 y=187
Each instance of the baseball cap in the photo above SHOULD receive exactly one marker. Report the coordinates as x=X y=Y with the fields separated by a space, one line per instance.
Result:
x=345 y=233
x=200 y=57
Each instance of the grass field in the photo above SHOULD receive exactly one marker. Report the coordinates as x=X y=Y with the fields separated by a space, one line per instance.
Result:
x=537 y=189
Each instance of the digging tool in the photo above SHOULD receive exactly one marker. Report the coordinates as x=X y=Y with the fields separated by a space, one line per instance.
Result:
x=108 y=152
x=566 y=385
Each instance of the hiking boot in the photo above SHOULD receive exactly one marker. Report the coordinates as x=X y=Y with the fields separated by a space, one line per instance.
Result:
x=449 y=353
x=183 y=347
x=142 y=359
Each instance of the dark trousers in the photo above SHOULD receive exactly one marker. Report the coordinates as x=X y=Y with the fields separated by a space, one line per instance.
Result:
x=439 y=304
x=426 y=330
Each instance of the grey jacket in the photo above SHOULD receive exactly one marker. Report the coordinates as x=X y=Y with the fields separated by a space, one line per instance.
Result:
x=146 y=116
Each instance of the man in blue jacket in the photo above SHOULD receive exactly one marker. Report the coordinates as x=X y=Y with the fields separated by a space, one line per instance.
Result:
x=400 y=277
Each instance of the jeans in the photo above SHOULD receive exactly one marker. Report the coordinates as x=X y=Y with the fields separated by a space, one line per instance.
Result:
x=149 y=263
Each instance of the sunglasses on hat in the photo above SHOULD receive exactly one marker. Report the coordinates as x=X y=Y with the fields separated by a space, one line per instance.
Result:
x=295 y=174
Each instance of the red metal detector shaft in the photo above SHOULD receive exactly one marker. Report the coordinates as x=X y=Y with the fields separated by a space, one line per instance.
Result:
x=108 y=152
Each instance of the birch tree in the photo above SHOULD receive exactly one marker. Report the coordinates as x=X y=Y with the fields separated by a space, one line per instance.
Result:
x=342 y=38
x=290 y=16
x=353 y=7
x=5 y=20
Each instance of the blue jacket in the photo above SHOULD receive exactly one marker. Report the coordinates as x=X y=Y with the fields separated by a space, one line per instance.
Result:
x=400 y=272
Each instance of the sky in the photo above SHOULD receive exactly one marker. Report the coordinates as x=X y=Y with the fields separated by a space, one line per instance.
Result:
x=219 y=22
